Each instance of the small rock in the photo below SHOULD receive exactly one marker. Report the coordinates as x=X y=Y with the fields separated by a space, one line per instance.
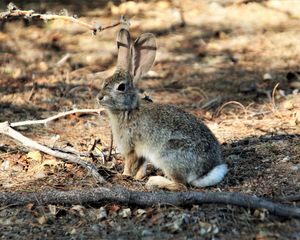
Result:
x=282 y=92
x=125 y=213
x=267 y=76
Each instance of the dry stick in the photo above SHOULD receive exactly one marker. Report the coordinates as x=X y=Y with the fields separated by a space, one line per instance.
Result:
x=145 y=199
x=7 y=130
x=291 y=198
x=14 y=12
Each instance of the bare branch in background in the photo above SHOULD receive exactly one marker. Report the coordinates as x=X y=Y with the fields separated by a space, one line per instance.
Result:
x=13 y=12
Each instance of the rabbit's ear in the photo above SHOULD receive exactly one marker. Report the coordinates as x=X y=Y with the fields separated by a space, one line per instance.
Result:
x=143 y=55
x=123 y=44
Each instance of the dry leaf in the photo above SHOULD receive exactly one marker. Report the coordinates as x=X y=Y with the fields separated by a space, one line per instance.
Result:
x=29 y=206
x=35 y=155
x=125 y=213
x=113 y=208
x=140 y=212
x=80 y=209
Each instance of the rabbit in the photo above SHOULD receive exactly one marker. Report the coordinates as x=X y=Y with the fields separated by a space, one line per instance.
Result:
x=171 y=139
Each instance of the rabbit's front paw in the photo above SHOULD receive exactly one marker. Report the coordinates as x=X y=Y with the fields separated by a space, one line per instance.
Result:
x=126 y=173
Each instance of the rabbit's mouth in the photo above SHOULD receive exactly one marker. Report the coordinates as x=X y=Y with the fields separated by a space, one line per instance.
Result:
x=102 y=100
x=118 y=102
x=107 y=102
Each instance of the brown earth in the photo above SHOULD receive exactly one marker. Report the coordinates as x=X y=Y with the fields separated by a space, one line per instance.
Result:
x=222 y=65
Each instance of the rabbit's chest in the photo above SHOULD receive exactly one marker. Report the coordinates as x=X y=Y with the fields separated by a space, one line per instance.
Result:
x=123 y=133
x=123 y=140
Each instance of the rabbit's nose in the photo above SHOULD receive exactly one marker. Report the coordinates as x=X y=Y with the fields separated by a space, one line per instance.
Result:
x=100 y=97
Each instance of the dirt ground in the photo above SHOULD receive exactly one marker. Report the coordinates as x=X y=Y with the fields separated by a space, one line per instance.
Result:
x=220 y=60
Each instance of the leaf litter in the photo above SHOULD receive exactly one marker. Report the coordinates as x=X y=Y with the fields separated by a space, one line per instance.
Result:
x=227 y=52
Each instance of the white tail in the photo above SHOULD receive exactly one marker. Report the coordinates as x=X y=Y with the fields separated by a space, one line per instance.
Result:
x=215 y=176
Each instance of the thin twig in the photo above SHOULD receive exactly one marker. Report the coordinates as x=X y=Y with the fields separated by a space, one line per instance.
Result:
x=60 y=115
x=33 y=89
x=273 y=96
x=75 y=152
x=231 y=102
x=63 y=60
x=211 y=103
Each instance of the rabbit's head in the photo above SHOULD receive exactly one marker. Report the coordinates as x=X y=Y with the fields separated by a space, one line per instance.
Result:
x=134 y=60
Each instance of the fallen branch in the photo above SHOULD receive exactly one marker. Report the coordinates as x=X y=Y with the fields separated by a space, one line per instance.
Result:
x=145 y=199
x=7 y=130
x=291 y=198
x=14 y=12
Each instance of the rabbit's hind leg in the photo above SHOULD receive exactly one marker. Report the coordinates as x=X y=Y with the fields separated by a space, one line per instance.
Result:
x=130 y=160
x=163 y=182
x=141 y=172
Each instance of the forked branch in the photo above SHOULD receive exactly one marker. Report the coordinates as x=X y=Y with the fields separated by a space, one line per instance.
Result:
x=6 y=129
x=13 y=12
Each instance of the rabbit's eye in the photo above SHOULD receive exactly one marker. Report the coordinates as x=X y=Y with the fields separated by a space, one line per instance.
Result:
x=121 y=87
